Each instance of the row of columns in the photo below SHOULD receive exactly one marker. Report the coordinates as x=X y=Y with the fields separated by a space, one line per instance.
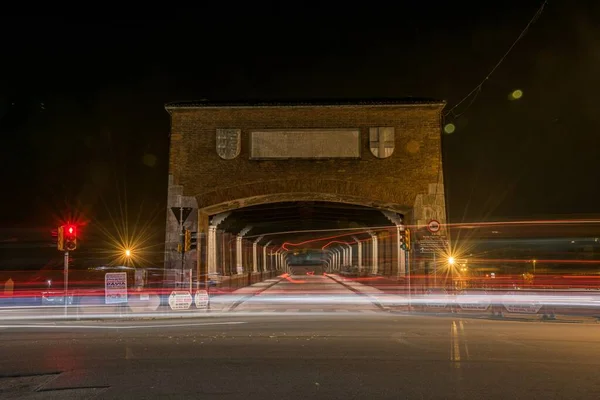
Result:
x=381 y=253
x=252 y=256
x=249 y=255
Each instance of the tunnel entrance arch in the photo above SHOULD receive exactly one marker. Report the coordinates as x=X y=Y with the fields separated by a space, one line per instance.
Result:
x=226 y=156
x=272 y=237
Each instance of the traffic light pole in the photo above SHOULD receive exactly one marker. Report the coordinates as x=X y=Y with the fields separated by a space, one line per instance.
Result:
x=66 y=280
x=182 y=262
x=182 y=244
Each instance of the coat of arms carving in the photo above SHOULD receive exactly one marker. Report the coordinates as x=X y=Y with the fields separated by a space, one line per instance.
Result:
x=382 y=141
x=229 y=143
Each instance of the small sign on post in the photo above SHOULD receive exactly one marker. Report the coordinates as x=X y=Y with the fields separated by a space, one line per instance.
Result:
x=115 y=287
x=433 y=226
x=181 y=213
x=180 y=300
x=473 y=300
x=433 y=244
x=521 y=302
x=201 y=299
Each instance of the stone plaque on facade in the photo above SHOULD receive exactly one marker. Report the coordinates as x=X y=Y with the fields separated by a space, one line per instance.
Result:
x=304 y=143
x=229 y=143
x=382 y=141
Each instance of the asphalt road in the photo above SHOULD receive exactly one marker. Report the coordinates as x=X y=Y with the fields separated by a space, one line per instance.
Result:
x=300 y=354
x=307 y=293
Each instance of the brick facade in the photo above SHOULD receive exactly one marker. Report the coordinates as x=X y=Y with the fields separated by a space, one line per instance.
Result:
x=213 y=185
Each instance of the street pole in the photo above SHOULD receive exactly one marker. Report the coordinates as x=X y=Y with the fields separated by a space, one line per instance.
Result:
x=182 y=244
x=66 y=279
x=181 y=241
x=407 y=274
x=434 y=271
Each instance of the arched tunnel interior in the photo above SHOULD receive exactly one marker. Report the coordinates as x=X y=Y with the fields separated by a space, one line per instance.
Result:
x=306 y=237
x=309 y=255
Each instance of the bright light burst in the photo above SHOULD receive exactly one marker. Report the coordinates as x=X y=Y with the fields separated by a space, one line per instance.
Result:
x=128 y=241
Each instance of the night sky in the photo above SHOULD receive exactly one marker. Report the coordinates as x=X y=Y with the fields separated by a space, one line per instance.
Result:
x=82 y=96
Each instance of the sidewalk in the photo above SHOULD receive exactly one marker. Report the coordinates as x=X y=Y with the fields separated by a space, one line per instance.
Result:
x=150 y=308
x=381 y=299
x=398 y=303
x=225 y=303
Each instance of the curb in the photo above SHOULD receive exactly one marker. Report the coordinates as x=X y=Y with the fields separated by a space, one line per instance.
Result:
x=567 y=319
x=243 y=299
x=516 y=318
x=374 y=301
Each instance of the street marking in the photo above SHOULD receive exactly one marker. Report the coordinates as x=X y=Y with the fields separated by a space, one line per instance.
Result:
x=454 y=345
x=119 y=327
x=462 y=331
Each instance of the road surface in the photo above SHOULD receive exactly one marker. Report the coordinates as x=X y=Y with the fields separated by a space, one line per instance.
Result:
x=295 y=355
x=306 y=293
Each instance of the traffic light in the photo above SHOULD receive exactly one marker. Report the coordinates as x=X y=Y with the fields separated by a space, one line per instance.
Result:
x=60 y=239
x=194 y=240
x=188 y=240
x=405 y=239
x=70 y=237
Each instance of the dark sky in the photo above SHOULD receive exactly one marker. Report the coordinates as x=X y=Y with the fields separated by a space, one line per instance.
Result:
x=82 y=95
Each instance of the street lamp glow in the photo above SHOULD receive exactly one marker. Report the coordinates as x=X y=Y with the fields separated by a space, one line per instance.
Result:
x=451 y=260
x=128 y=253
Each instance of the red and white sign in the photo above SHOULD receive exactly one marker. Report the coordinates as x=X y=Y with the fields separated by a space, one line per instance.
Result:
x=180 y=300
x=115 y=287
x=521 y=302
x=473 y=300
x=433 y=226
x=436 y=298
x=201 y=299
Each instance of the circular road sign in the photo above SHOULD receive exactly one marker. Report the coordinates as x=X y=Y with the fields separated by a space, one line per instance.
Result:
x=433 y=226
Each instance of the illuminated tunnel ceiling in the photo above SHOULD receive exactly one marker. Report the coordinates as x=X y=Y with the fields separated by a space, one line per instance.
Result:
x=271 y=218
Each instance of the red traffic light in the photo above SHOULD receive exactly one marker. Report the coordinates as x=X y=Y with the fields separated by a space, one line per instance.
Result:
x=70 y=242
x=71 y=230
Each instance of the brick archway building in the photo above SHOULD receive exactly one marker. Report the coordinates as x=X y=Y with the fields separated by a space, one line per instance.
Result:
x=224 y=156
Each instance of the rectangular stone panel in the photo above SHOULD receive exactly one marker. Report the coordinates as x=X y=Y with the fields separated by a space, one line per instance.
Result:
x=304 y=143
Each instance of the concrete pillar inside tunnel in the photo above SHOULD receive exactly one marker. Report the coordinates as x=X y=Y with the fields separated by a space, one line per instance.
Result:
x=264 y=260
x=238 y=254
x=358 y=253
x=349 y=255
x=255 y=254
x=374 y=253
x=211 y=242
x=212 y=249
x=239 y=250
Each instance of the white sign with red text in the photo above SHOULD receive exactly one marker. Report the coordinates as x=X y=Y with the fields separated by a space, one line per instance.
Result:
x=180 y=300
